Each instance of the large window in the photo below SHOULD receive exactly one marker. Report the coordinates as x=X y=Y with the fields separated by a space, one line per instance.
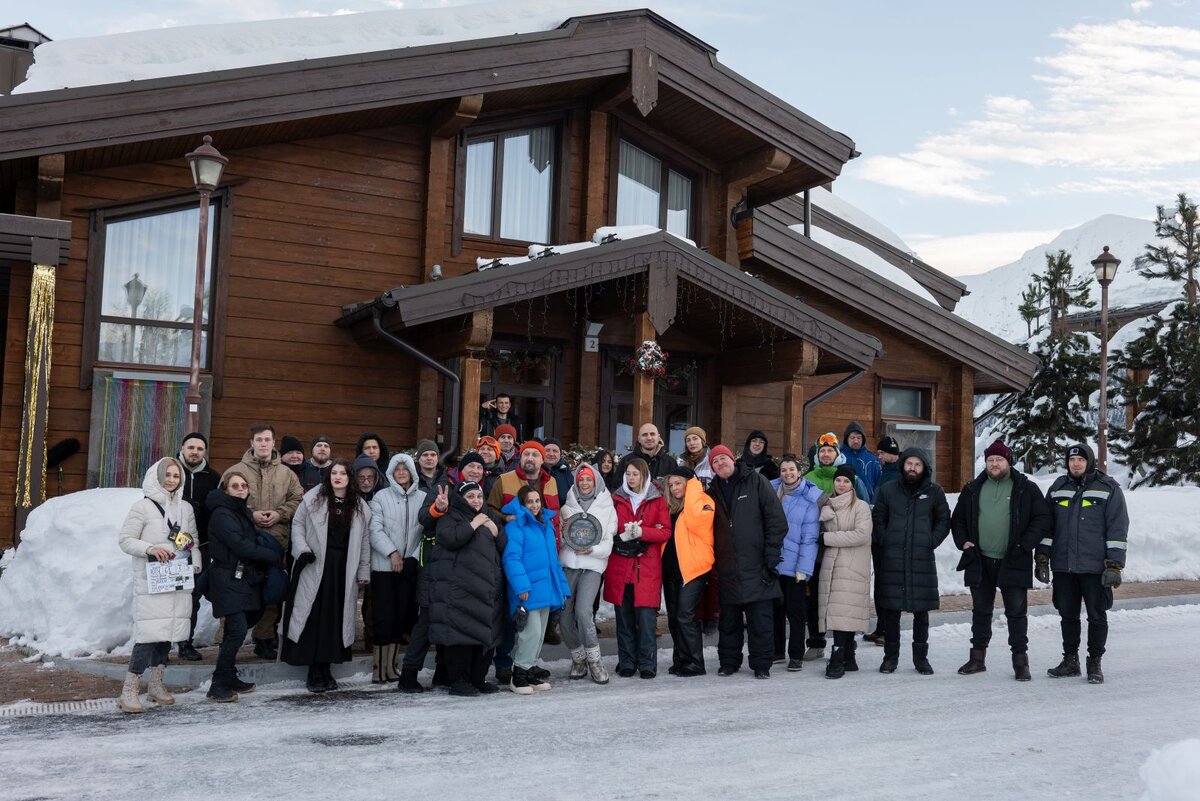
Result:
x=652 y=192
x=509 y=187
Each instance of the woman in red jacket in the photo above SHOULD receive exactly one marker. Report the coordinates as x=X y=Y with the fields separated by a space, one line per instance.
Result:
x=633 y=580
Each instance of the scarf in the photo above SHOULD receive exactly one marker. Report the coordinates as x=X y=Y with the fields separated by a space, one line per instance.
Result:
x=785 y=490
x=586 y=501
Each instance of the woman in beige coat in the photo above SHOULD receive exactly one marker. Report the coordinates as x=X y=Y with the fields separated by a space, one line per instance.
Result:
x=844 y=602
x=160 y=526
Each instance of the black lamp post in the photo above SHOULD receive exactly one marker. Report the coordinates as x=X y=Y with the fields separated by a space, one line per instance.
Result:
x=135 y=291
x=1105 y=266
x=207 y=164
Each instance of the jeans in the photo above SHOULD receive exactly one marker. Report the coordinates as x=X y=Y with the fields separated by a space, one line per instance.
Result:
x=890 y=623
x=529 y=639
x=792 y=609
x=578 y=627
x=816 y=637
x=1016 y=608
x=1072 y=589
x=235 y=634
x=637 y=641
x=147 y=655
x=756 y=627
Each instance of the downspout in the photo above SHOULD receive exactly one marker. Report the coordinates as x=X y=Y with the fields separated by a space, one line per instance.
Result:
x=385 y=300
x=807 y=224
x=820 y=396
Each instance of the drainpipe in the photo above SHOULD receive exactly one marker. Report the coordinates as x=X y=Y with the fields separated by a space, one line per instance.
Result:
x=808 y=213
x=385 y=300
x=820 y=396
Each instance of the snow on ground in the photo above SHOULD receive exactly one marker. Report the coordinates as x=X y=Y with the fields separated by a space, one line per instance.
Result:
x=1173 y=773
x=868 y=736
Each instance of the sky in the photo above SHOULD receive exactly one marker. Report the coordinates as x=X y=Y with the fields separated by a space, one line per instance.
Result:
x=984 y=128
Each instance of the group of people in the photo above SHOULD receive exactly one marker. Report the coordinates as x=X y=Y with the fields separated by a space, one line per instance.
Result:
x=512 y=546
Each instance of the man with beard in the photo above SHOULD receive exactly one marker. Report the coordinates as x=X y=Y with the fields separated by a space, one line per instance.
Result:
x=429 y=471
x=911 y=518
x=506 y=437
x=651 y=448
x=198 y=480
x=317 y=466
x=999 y=519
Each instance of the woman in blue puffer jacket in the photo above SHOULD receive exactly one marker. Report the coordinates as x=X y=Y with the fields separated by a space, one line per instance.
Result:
x=536 y=583
x=801 y=501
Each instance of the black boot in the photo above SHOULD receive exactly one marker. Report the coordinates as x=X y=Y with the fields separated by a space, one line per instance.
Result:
x=408 y=682
x=240 y=686
x=875 y=636
x=266 y=649
x=188 y=651
x=315 y=683
x=220 y=689
x=327 y=676
x=976 y=663
x=891 y=657
x=1094 y=674
x=1069 y=666
x=851 y=662
x=921 y=658
x=837 y=663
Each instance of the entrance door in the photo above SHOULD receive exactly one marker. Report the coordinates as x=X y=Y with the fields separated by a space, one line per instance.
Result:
x=528 y=372
x=676 y=400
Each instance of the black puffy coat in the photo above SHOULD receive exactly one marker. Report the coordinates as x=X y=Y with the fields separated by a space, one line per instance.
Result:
x=465 y=578
x=196 y=487
x=232 y=538
x=910 y=523
x=747 y=537
x=1029 y=522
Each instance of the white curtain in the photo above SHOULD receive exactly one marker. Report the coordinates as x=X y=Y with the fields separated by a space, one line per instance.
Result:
x=639 y=187
x=481 y=169
x=528 y=190
x=679 y=204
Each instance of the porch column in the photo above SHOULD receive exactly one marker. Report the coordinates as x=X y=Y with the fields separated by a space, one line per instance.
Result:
x=470 y=372
x=588 y=408
x=793 y=417
x=729 y=404
x=31 y=448
x=962 y=432
x=643 y=386
x=428 y=382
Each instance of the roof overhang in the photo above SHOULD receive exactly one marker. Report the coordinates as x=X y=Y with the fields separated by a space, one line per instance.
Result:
x=34 y=240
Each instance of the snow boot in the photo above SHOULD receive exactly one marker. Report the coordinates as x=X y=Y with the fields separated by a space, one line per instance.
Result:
x=220 y=689
x=1069 y=666
x=976 y=663
x=156 y=691
x=519 y=683
x=1021 y=667
x=383 y=668
x=813 y=654
x=595 y=667
x=266 y=649
x=537 y=671
x=407 y=683
x=464 y=689
x=315 y=682
x=875 y=636
x=837 y=663
x=851 y=662
x=129 y=701
x=579 y=668
x=795 y=665
x=536 y=678
x=238 y=686
x=891 y=657
x=1094 y=673
x=188 y=651
x=921 y=658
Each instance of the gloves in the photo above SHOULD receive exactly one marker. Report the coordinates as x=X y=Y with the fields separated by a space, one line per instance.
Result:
x=306 y=558
x=1042 y=570
x=1111 y=577
x=801 y=577
x=520 y=618
x=633 y=531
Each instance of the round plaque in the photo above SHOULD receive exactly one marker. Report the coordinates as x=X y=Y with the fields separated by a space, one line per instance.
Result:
x=582 y=532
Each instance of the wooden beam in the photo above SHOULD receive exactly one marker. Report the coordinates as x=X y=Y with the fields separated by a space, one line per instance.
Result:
x=436 y=192
x=51 y=169
x=756 y=166
x=427 y=403
x=612 y=94
x=962 y=432
x=470 y=372
x=643 y=386
x=662 y=296
x=729 y=404
x=594 y=213
x=793 y=417
x=454 y=117
x=643 y=69
x=762 y=364
x=588 y=408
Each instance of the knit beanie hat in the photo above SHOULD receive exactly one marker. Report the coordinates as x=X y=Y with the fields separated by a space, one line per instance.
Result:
x=321 y=438
x=718 y=450
x=468 y=458
x=699 y=432
x=845 y=471
x=289 y=444
x=501 y=430
x=682 y=471
x=889 y=445
x=427 y=445
x=195 y=435
x=998 y=448
x=467 y=486
x=534 y=445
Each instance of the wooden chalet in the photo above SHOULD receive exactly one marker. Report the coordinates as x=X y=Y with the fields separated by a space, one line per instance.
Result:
x=361 y=196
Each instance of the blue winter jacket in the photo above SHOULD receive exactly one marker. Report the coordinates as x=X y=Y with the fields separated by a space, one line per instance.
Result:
x=803 y=512
x=531 y=560
x=864 y=461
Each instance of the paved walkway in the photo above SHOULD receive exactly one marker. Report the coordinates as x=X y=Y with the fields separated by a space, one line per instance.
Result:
x=51 y=681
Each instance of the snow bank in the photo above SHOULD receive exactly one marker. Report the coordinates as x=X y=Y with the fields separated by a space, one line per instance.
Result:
x=1172 y=773
x=68 y=589
x=141 y=55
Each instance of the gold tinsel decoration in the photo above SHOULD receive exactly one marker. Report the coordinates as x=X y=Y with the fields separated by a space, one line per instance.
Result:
x=37 y=387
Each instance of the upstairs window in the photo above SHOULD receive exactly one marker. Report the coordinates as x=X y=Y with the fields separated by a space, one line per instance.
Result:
x=509 y=187
x=652 y=192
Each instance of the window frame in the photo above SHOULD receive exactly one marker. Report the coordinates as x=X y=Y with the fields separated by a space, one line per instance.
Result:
x=671 y=158
x=559 y=187
x=221 y=204
x=928 y=388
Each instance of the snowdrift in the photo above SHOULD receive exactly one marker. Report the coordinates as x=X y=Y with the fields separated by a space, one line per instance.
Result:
x=1172 y=773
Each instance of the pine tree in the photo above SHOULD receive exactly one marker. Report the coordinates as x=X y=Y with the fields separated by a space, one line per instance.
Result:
x=1179 y=258
x=1031 y=308
x=1051 y=413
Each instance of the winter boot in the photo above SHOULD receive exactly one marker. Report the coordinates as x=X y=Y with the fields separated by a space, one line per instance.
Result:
x=595 y=667
x=875 y=636
x=129 y=701
x=384 y=664
x=315 y=683
x=1094 y=674
x=795 y=665
x=539 y=672
x=837 y=663
x=536 y=678
x=221 y=690
x=921 y=658
x=976 y=663
x=188 y=651
x=327 y=676
x=157 y=692
x=1021 y=667
x=891 y=657
x=1069 y=666
x=579 y=668
x=813 y=654
x=851 y=662
x=519 y=683
x=465 y=689
x=408 y=683
x=266 y=649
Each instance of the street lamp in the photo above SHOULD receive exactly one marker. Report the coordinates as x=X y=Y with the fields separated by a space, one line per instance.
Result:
x=207 y=164
x=1105 y=266
x=135 y=292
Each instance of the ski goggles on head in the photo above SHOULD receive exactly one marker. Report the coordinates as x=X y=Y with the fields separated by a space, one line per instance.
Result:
x=827 y=440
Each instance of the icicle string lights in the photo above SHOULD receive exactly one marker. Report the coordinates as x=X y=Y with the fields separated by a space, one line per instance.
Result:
x=37 y=372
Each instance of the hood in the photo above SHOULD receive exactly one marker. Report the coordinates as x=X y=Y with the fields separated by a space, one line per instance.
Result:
x=601 y=487
x=1088 y=454
x=248 y=457
x=152 y=486
x=459 y=503
x=399 y=458
x=921 y=454
x=652 y=492
x=383 y=449
x=518 y=510
x=838 y=461
x=854 y=428
x=756 y=433
x=361 y=461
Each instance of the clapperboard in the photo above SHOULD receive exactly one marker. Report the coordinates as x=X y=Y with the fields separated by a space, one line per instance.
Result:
x=169 y=576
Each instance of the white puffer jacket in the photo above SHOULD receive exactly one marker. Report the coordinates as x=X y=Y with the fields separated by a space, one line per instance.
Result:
x=164 y=616
x=394 y=525
x=603 y=510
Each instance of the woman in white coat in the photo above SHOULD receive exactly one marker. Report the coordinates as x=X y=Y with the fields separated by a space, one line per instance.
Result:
x=395 y=559
x=330 y=543
x=844 y=590
x=584 y=570
x=160 y=526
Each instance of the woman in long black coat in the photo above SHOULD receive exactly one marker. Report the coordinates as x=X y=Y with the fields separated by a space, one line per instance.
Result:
x=466 y=589
x=237 y=572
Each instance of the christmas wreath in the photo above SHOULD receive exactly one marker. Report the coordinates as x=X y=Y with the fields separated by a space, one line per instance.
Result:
x=650 y=360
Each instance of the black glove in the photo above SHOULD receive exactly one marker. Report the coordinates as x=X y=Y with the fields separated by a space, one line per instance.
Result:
x=1042 y=571
x=520 y=618
x=306 y=558
x=1111 y=577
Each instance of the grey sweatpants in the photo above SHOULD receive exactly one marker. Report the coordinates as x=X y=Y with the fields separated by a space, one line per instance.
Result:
x=578 y=627
x=529 y=639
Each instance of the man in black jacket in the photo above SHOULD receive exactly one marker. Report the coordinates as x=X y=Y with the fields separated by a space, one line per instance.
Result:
x=999 y=520
x=1087 y=552
x=198 y=480
x=652 y=449
x=748 y=531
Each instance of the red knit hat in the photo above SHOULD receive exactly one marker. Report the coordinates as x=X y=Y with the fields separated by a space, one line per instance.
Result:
x=998 y=448
x=532 y=444
x=718 y=450
x=505 y=428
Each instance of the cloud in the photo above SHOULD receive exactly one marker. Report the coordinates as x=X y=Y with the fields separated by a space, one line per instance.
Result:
x=1138 y=6
x=975 y=253
x=1119 y=100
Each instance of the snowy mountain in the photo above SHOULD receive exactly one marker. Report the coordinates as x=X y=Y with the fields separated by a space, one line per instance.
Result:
x=996 y=294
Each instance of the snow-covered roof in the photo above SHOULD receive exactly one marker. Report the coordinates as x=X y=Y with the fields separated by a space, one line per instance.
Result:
x=186 y=50
x=24 y=33
x=867 y=258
